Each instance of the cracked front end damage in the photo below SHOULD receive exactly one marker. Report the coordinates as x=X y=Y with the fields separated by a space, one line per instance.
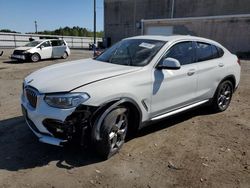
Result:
x=76 y=127
x=57 y=126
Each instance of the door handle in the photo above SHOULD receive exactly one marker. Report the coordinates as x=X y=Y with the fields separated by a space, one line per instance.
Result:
x=191 y=72
x=221 y=64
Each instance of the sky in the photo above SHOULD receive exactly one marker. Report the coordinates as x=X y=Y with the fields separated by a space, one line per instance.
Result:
x=19 y=15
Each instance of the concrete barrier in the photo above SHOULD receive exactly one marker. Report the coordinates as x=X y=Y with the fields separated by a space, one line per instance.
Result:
x=13 y=40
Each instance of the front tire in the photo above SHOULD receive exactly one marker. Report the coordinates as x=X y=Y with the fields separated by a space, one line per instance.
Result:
x=113 y=132
x=35 y=57
x=223 y=96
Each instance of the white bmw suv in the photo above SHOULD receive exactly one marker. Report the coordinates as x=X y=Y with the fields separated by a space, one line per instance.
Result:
x=137 y=81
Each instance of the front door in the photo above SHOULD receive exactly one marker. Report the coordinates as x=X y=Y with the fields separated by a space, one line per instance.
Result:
x=45 y=50
x=173 y=89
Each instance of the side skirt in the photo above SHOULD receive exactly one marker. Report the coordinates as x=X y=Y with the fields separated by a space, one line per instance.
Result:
x=178 y=110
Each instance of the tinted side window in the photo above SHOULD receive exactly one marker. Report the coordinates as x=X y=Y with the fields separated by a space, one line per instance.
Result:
x=183 y=52
x=204 y=52
x=46 y=44
x=57 y=43
x=61 y=43
x=54 y=43
x=220 y=51
x=215 y=51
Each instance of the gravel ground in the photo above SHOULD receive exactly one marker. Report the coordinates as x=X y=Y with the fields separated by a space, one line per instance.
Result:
x=195 y=149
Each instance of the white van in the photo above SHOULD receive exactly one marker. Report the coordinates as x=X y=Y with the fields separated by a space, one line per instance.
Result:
x=42 y=49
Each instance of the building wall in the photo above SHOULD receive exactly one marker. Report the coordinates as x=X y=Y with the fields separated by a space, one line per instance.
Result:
x=233 y=33
x=190 y=8
x=122 y=17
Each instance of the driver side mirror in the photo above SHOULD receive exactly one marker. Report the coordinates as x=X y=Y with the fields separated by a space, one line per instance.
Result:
x=41 y=47
x=170 y=63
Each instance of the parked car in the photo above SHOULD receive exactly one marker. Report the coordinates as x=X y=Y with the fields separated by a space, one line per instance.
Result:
x=42 y=49
x=137 y=81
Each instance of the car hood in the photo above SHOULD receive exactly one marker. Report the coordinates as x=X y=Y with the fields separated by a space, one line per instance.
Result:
x=68 y=76
x=23 y=48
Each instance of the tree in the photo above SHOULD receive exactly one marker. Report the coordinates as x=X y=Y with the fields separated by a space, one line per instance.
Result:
x=8 y=31
x=74 y=31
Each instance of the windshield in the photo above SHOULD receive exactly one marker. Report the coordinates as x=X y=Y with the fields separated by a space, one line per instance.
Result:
x=133 y=52
x=33 y=43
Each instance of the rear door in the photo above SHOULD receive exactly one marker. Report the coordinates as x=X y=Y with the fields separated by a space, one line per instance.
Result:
x=58 y=48
x=173 y=89
x=209 y=66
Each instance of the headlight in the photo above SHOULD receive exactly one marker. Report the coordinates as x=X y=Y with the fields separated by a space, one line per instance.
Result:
x=68 y=100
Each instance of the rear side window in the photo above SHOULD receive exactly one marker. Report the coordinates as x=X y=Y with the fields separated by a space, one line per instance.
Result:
x=215 y=52
x=220 y=51
x=206 y=52
x=57 y=43
x=183 y=52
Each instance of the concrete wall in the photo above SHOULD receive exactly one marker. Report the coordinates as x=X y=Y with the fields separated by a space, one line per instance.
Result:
x=122 y=16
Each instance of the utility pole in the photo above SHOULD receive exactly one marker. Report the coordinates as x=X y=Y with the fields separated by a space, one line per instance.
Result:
x=94 y=21
x=94 y=45
x=36 y=26
x=172 y=10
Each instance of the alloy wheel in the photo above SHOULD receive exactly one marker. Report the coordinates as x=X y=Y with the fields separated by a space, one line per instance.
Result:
x=224 y=96
x=118 y=131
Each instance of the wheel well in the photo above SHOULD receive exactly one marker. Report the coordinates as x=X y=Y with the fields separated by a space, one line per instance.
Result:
x=230 y=78
x=37 y=54
x=134 y=114
x=134 y=117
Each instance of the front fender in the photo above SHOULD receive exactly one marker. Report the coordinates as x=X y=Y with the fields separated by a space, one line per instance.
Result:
x=104 y=110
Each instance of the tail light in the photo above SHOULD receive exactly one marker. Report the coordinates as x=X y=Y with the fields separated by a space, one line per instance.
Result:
x=238 y=61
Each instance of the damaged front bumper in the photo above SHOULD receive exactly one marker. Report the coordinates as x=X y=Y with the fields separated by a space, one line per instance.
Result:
x=57 y=126
x=21 y=56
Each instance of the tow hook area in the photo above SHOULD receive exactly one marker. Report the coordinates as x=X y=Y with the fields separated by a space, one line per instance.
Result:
x=74 y=128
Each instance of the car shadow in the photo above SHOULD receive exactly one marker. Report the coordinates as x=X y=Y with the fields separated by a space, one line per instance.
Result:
x=21 y=62
x=173 y=120
x=12 y=62
x=20 y=149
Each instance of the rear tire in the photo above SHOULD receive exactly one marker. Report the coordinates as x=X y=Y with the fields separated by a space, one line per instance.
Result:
x=223 y=96
x=65 y=55
x=35 y=57
x=113 y=132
